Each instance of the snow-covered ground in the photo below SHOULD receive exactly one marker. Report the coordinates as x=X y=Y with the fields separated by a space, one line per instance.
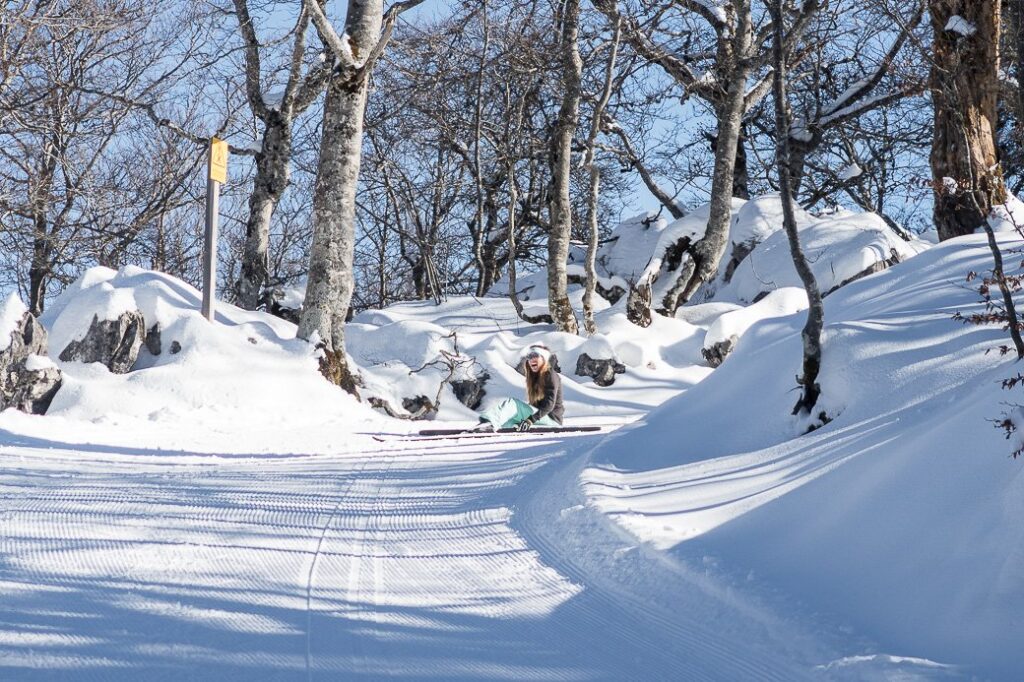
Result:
x=221 y=512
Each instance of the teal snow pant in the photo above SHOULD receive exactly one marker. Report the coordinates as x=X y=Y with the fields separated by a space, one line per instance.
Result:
x=510 y=412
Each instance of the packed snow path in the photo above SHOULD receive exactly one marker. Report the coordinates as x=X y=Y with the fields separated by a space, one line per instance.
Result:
x=471 y=559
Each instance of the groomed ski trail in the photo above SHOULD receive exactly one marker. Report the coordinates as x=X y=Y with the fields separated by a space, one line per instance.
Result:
x=440 y=560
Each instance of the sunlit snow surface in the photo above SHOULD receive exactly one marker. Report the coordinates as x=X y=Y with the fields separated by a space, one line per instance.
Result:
x=222 y=513
x=902 y=514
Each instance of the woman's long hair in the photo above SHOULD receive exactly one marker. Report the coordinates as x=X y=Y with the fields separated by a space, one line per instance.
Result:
x=535 y=381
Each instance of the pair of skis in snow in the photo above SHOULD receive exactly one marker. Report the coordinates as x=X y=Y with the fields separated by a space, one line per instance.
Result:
x=440 y=434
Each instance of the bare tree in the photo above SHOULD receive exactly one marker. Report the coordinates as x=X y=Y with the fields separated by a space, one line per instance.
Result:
x=277 y=111
x=811 y=334
x=331 y=278
x=561 y=204
x=596 y=122
x=736 y=56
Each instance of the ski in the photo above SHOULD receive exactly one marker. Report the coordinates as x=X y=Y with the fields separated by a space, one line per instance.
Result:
x=536 y=429
x=441 y=434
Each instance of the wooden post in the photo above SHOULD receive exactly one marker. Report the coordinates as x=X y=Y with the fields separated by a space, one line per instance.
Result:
x=218 y=174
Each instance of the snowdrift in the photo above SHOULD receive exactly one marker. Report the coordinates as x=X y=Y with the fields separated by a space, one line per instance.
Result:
x=900 y=518
x=246 y=374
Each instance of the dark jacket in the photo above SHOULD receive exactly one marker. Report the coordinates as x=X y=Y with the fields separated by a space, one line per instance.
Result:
x=551 y=404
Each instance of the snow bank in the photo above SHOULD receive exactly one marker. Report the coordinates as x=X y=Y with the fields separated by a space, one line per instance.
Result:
x=732 y=325
x=244 y=382
x=760 y=218
x=1008 y=217
x=839 y=247
x=661 y=360
x=900 y=518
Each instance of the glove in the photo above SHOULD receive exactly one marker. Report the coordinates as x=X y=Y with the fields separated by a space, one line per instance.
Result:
x=526 y=424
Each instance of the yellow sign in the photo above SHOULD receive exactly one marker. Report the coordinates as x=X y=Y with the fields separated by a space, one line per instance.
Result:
x=218 y=160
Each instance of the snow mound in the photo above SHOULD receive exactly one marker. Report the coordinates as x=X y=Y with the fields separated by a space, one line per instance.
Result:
x=839 y=247
x=245 y=374
x=1008 y=217
x=732 y=325
x=760 y=218
x=900 y=517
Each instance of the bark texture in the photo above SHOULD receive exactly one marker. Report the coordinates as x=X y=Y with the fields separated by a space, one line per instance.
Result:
x=811 y=334
x=590 y=265
x=965 y=87
x=272 y=170
x=331 y=273
x=561 y=205
x=274 y=156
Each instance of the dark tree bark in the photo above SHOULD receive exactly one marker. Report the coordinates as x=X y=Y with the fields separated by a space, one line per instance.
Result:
x=965 y=86
x=811 y=334
x=274 y=157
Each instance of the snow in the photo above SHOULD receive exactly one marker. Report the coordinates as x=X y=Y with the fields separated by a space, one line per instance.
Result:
x=1008 y=217
x=838 y=247
x=274 y=98
x=38 y=363
x=854 y=89
x=716 y=9
x=851 y=171
x=958 y=24
x=11 y=314
x=778 y=303
x=225 y=513
x=195 y=398
x=901 y=514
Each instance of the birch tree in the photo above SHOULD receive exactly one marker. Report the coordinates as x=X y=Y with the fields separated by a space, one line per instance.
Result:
x=330 y=280
x=596 y=122
x=725 y=88
x=561 y=203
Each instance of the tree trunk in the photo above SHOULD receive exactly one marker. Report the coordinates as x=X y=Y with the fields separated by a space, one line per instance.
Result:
x=595 y=185
x=39 y=270
x=331 y=274
x=479 y=231
x=964 y=85
x=740 y=174
x=561 y=206
x=272 y=171
x=811 y=334
x=706 y=253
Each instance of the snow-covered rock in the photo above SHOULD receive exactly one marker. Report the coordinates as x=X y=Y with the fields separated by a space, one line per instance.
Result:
x=723 y=335
x=28 y=379
x=403 y=361
x=113 y=343
x=839 y=247
x=755 y=221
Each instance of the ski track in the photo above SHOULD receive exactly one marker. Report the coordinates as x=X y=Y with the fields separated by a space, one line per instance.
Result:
x=474 y=559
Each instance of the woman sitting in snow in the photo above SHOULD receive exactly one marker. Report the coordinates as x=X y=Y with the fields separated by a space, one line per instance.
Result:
x=543 y=391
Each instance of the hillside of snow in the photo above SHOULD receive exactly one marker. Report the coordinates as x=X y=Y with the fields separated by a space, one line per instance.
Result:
x=224 y=509
x=900 y=518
